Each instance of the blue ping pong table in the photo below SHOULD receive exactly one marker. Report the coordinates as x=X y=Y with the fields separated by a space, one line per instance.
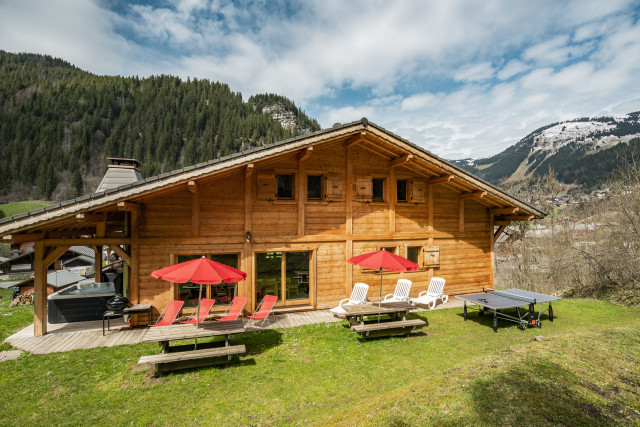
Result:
x=510 y=298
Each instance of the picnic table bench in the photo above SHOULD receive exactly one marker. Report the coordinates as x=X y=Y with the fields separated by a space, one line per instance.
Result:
x=169 y=360
x=397 y=311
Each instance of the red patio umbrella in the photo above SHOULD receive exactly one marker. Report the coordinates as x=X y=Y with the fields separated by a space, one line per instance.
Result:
x=383 y=260
x=202 y=271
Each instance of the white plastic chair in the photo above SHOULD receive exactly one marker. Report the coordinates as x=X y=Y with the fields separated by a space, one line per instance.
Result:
x=358 y=296
x=433 y=294
x=401 y=293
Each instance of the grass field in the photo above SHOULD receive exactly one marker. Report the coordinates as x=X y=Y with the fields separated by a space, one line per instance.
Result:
x=16 y=208
x=586 y=371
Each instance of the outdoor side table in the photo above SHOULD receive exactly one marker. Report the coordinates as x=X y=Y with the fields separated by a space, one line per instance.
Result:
x=110 y=315
x=138 y=309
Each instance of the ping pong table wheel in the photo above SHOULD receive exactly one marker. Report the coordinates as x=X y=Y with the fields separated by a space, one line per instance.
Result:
x=538 y=324
x=521 y=326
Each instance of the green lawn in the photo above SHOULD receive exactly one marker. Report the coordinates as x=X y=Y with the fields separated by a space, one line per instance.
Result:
x=585 y=372
x=16 y=208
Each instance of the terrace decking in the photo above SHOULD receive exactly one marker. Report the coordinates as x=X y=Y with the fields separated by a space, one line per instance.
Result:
x=85 y=335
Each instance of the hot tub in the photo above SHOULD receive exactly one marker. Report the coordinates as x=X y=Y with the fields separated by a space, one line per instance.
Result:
x=81 y=302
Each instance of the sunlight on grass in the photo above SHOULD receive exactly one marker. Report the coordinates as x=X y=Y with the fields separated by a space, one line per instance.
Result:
x=454 y=372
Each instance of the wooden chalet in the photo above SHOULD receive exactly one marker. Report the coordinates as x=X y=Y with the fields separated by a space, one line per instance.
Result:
x=288 y=214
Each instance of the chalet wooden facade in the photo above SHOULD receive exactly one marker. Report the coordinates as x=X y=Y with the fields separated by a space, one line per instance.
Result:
x=289 y=215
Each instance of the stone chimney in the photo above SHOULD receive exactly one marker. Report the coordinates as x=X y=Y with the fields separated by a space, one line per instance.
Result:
x=120 y=172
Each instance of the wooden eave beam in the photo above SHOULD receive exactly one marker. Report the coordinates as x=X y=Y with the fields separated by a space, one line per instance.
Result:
x=23 y=238
x=402 y=160
x=442 y=179
x=129 y=207
x=498 y=232
x=473 y=195
x=248 y=171
x=91 y=217
x=514 y=218
x=500 y=223
x=355 y=140
x=90 y=241
x=193 y=187
x=121 y=253
x=504 y=211
x=305 y=154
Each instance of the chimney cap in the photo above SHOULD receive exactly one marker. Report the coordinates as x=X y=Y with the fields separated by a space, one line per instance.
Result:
x=121 y=161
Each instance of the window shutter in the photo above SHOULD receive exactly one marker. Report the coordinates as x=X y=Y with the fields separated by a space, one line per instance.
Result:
x=418 y=191
x=333 y=188
x=364 y=188
x=267 y=186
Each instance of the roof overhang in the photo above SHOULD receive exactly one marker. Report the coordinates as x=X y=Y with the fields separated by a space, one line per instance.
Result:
x=108 y=200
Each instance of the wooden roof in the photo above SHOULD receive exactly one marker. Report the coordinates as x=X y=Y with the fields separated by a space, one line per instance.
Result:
x=62 y=216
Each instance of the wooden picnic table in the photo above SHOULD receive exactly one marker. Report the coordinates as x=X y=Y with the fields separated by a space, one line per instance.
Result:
x=166 y=361
x=397 y=311
x=165 y=334
x=357 y=312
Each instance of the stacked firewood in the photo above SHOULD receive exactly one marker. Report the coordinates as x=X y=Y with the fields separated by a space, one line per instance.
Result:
x=25 y=299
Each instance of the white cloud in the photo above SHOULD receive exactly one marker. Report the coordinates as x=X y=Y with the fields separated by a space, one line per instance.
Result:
x=474 y=72
x=513 y=67
x=421 y=69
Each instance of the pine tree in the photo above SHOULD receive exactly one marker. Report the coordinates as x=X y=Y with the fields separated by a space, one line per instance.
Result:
x=76 y=183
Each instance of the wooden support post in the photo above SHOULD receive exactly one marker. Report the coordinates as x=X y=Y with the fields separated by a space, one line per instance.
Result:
x=173 y=259
x=430 y=208
x=349 y=275
x=392 y=200
x=134 y=291
x=246 y=287
x=492 y=241
x=349 y=213
x=349 y=191
x=312 y=278
x=302 y=156
x=39 y=291
x=195 y=208
x=97 y=263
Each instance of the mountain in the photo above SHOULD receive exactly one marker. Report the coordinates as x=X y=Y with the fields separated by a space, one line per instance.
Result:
x=58 y=123
x=583 y=152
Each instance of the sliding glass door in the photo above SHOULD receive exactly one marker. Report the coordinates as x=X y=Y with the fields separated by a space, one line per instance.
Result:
x=284 y=274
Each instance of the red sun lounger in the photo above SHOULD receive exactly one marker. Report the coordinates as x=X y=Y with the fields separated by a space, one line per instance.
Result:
x=205 y=308
x=234 y=310
x=169 y=314
x=264 y=310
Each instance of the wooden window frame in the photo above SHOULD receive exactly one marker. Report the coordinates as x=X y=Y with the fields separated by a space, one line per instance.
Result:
x=385 y=188
x=323 y=181
x=408 y=182
x=293 y=186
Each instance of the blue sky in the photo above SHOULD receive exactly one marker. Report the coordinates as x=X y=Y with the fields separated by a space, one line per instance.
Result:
x=462 y=78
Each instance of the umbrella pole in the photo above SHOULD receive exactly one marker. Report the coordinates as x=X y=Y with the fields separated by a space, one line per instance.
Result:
x=380 y=299
x=198 y=314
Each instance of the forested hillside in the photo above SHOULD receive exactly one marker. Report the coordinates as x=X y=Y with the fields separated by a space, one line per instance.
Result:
x=58 y=123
